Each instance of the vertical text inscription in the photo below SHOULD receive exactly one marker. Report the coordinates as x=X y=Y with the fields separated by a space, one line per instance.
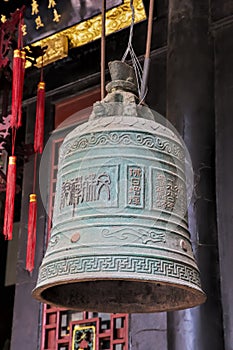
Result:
x=135 y=193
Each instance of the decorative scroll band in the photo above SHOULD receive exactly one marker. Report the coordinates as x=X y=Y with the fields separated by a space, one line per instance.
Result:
x=136 y=235
x=115 y=138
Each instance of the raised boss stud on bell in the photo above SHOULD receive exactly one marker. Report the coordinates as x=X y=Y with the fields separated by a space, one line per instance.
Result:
x=120 y=241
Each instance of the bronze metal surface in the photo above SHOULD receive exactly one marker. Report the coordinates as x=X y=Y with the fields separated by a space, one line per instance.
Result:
x=120 y=240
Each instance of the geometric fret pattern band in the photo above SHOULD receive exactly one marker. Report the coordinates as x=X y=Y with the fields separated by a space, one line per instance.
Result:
x=139 y=265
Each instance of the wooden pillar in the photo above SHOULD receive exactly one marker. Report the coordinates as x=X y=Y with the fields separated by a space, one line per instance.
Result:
x=190 y=107
x=224 y=169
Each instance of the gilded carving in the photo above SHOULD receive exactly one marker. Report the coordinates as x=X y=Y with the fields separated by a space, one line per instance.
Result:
x=24 y=29
x=34 y=6
x=39 y=22
x=56 y=16
x=56 y=50
x=3 y=18
x=117 y=18
x=51 y=4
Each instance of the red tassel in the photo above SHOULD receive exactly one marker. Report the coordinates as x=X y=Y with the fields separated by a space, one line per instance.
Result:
x=22 y=72
x=10 y=198
x=17 y=87
x=39 y=127
x=31 y=243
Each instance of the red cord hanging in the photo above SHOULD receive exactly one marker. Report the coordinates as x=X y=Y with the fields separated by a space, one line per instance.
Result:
x=19 y=57
x=17 y=87
x=38 y=148
x=10 y=197
x=39 y=127
x=31 y=242
x=21 y=83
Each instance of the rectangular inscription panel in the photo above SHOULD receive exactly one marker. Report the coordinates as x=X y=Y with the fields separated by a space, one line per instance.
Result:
x=90 y=187
x=135 y=186
x=167 y=192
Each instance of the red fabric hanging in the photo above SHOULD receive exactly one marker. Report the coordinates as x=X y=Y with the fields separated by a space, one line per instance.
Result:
x=31 y=242
x=17 y=87
x=10 y=198
x=39 y=127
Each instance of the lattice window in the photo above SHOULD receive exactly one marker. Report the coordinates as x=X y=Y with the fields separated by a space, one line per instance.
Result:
x=71 y=330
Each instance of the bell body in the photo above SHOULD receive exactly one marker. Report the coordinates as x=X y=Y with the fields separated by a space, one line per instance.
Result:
x=120 y=241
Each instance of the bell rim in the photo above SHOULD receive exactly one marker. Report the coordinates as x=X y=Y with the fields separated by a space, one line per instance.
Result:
x=197 y=293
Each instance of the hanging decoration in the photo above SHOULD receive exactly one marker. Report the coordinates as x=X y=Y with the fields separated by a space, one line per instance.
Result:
x=8 y=29
x=31 y=232
x=17 y=87
x=114 y=236
x=15 y=119
x=10 y=197
x=119 y=228
x=39 y=127
x=31 y=242
x=38 y=148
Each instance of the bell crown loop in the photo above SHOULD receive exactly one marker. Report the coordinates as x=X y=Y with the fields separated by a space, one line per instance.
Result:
x=123 y=78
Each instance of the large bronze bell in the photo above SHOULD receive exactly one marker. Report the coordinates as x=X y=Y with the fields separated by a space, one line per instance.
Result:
x=120 y=241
